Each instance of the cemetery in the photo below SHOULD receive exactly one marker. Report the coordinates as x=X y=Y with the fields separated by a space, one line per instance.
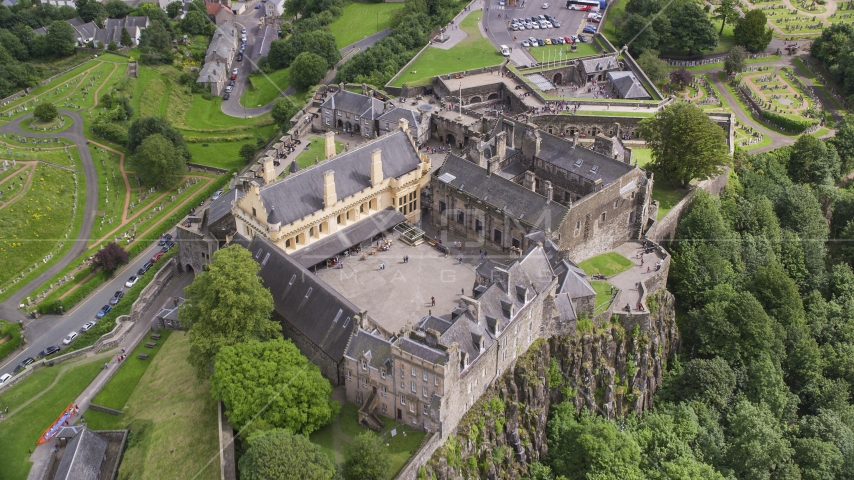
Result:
x=778 y=96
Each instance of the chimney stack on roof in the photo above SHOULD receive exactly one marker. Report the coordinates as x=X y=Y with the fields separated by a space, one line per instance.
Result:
x=376 y=167
x=330 y=145
x=549 y=192
x=330 y=198
x=269 y=170
x=530 y=181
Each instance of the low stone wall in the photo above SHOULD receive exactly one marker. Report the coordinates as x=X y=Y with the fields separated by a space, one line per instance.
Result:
x=100 y=408
x=429 y=445
x=662 y=231
x=195 y=167
x=227 y=459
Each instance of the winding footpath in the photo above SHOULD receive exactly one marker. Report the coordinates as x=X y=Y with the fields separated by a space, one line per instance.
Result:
x=9 y=308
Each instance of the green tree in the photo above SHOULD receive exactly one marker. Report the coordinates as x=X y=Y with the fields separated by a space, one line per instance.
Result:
x=307 y=69
x=45 y=112
x=813 y=161
x=106 y=101
x=367 y=458
x=757 y=446
x=91 y=11
x=752 y=32
x=711 y=381
x=174 y=8
x=818 y=459
x=109 y=258
x=681 y=77
x=654 y=67
x=155 y=43
x=639 y=35
x=686 y=144
x=125 y=38
x=194 y=23
x=843 y=141
x=800 y=212
x=117 y=9
x=13 y=45
x=726 y=12
x=226 y=305
x=283 y=110
x=143 y=127
x=692 y=30
x=279 y=455
x=735 y=60
x=247 y=151
x=60 y=40
x=112 y=46
x=272 y=381
x=157 y=162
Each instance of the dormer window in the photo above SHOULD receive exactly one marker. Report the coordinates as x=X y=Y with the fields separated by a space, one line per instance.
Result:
x=382 y=372
x=364 y=365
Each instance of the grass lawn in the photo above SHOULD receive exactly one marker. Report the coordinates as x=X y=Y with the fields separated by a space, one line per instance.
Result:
x=360 y=20
x=616 y=9
x=264 y=88
x=174 y=419
x=117 y=391
x=22 y=428
x=315 y=148
x=226 y=154
x=667 y=197
x=346 y=427
x=607 y=264
x=474 y=51
x=642 y=156
x=608 y=113
x=603 y=295
x=35 y=223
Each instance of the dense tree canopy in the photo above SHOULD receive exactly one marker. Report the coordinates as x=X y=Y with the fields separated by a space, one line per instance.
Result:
x=157 y=162
x=226 y=305
x=654 y=67
x=143 y=127
x=194 y=23
x=45 y=112
x=60 y=39
x=109 y=258
x=283 y=110
x=686 y=144
x=752 y=32
x=736 y=60
x=307 y=70
x=117 y=8
x=367 y=457
x=279 y=455
x=272 y=381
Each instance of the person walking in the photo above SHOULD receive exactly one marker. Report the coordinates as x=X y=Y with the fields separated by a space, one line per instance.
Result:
x=432 y=301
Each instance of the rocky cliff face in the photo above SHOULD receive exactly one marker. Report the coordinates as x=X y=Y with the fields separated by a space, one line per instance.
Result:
x=604 y=368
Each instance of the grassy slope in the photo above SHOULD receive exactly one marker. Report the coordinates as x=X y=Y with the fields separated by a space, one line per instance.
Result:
x=116 y=392
x=21 y=430
x=265 y=88
x=315 y=149
x=603 y=295
x=642 y=156
x=181 y=441
x=667 y=198
x=360 y=20
x=472 y=52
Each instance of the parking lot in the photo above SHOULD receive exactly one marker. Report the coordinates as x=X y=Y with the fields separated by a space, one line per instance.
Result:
x=499 y=32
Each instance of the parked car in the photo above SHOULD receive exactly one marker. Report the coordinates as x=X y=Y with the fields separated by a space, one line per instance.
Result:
x=231 y=83
x=48 y=351
x=240 y=57
x=24 y=364
x=526 y=43
x=163 y=239
x=568 y=39
x=216 y=194
x=132 y=281
x=86 y=326
x=169 y=244
x=546 y=5
x=555 y=23
x=156 y=257
x=243 y=30
x=541 y=42
x=103 y=311
x=5 y=378
x=70 y=338
x=589 y=29
x=582 y=38
x=116 y=297
x=257 y=6
x=234 y=71
x=228 y=89
x=144 y=269
x=533 y=42
x=548 y=41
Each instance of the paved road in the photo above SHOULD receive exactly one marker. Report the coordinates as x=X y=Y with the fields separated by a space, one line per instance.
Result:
x=9 y=308
x=251 y=21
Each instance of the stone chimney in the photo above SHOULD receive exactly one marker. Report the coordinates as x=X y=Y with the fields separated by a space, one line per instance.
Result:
x=269 y=170
x=530 y=181
x=365 y=89
x=502 y=277
x=330 y=145
x=549 y=192
x=501 y=145
x=473 y=306
x=478 y=155
x=537 y=141
x=376 y=167
x=330 y=198
x=617 y=130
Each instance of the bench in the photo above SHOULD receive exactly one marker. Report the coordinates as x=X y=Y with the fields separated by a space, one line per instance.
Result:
x=142 y=356
x=155 y=336
x=150 y=344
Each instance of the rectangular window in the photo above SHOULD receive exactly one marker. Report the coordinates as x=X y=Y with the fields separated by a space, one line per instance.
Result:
x=288 y=243
x=469 y=387
x=365 y=381
x=414 y=388
x=426 y=410
x=384 y=390
x=425 y=376
x=402 y=399
x=311 y=231
x=327 y=121
x=382 y=371
x=436 y=381
x=402 y=373
x=254 y=214
x=496 y=236
x=364 y=365
x=461 y=217
x=339 y=219
x=348 y=374
x=413 y=371
x=412 y=409
x=603 y=216
x=577 y=225
x=384 y=408
x=424 y=391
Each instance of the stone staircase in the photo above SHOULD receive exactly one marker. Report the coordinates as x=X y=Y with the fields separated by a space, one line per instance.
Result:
x=366 y=414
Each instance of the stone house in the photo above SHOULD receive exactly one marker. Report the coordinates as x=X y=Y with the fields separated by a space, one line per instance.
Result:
x=219 y=57
x=84 y=32
x=626 y=85
x=419 y=123
x=330 y=204
x=352 y=112
x=112 y=31
x=596 y=69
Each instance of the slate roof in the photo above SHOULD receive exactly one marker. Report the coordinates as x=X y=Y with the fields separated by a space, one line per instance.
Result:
x=86 y=31
x=529 y=207
x=395 y=114
x=573 y=281
x=355 y=103
x=600 y=64
x=239 y=239
x=69 y=431
x=564 y=306
x=136 y=21
x=422 y=351
x=222 y=44
x=561 y=153
x=310 y=305
x=222 y=205
x=348 y=236
x=82 y=458
x=301 y=194
x=376 y=349
x=628 y=85
x=212 y=72
x=107 y=35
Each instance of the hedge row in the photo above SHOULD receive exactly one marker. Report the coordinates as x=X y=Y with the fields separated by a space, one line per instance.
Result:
x=108 y=322
x=53 y=306
x=13 y=331
x=220 y=139
x=796 y=125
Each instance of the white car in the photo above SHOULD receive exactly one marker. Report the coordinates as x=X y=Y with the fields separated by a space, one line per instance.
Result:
x=546 y=5
x=234 y=71
x=131 y=281
x=526 y=43
x=70 y=338
x=87 y=326
x=5 y=377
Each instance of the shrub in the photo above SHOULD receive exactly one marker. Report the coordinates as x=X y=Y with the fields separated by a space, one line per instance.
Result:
x=796 y=125
x=46 y=112
x=13 y=331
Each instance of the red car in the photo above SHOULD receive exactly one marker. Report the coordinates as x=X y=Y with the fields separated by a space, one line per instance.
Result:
x=156 y=257
x=233 y=76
